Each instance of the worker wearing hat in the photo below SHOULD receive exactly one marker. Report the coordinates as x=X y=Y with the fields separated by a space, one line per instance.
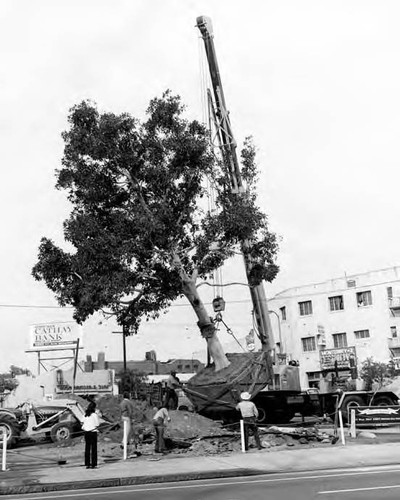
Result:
x=249 y=414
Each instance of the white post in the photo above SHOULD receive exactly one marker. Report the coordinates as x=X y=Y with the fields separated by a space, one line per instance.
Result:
x=125 y=439
x=4 y=454
x=341 y=427
x=353 y=432
x=242 y=436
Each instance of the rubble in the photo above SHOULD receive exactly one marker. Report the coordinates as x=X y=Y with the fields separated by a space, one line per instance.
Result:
x=187 y=433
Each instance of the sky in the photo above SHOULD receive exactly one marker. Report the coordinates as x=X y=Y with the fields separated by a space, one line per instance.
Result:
x=315 y=82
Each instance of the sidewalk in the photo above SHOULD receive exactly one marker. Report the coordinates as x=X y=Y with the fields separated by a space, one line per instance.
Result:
x=73 y=475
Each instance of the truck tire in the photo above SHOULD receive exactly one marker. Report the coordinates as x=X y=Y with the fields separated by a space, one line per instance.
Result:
x=349 y=403
x=262 y=416
x=382 y=401
x=61 y=433
x=10 y=425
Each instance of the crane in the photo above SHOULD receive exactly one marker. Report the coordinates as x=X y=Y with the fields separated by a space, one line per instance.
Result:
x=227 y=142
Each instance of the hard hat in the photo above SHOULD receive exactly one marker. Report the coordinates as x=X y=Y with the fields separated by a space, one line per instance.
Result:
x=245 y=396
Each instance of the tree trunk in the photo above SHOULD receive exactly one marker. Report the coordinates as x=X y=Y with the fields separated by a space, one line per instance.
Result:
x=205 y=323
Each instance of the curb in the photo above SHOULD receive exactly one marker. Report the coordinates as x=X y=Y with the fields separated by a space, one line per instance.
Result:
x=127 y=481
x=166 y=478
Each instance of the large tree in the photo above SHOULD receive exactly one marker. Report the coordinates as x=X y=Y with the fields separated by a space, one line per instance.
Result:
x=140 y=234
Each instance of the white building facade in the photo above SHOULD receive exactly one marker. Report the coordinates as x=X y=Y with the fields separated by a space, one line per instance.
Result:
x=350 y=317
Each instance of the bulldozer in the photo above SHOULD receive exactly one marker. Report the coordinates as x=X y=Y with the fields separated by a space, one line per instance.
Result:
x=58 y=420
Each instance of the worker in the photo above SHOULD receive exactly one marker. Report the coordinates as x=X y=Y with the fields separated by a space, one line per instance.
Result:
x=249 y=414
x=171 y=398
x=126 y=408
x=160 y=420
x=90 y=427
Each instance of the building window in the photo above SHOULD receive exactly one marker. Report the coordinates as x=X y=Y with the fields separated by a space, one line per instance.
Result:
x=361 y=334
x=393 y=331
x=179 y=367
x=283 y=313
x=305 y=308
x=308 y=344
x=336 y=303
x=364 y=299
x=389 y=290
x=313 y=379
x=339 y=340
x=395 y=352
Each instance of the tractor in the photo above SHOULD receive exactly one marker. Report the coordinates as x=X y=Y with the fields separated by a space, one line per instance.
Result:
x=59 y=420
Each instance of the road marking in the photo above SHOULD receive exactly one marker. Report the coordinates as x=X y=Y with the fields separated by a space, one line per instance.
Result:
x=328 y=492
x=199 y=484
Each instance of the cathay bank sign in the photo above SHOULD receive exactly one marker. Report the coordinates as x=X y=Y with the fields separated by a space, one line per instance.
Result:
x=61 y=335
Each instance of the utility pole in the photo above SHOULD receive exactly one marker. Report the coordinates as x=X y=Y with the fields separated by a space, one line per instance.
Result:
x=125 y=333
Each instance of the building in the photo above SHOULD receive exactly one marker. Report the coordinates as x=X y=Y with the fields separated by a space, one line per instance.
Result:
x=149 y=366
x=345 y=320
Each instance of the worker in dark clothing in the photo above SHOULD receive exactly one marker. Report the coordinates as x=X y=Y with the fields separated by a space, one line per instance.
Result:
x=249 y=414
x=171 y=397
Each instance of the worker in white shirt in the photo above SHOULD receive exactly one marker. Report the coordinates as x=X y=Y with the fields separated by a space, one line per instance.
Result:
x=249 y=414
x=90 y=426
x=160 y=420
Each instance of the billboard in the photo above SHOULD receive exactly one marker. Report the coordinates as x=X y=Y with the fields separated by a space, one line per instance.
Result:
x=342 y=355
x=53 y=336
x=96 y=382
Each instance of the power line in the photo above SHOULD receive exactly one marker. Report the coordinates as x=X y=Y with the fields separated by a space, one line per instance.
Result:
x=32 y=306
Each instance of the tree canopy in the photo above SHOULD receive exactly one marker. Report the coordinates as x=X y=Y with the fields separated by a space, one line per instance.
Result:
x=138 y=227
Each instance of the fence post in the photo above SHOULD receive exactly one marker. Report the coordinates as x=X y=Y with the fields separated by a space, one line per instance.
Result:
x=242 y=435
x=353 y=432
x=125 y=439
x=341 y=427
x=4 y=453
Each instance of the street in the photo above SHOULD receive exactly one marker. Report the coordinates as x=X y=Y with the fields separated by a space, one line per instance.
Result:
x=367 y=484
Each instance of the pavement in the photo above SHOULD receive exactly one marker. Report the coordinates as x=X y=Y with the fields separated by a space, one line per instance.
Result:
x=50 y=476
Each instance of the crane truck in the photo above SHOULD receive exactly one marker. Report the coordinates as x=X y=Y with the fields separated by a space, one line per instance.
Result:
x=275 y=388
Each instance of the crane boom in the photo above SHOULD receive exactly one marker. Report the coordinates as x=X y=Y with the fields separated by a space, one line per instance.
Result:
x=228 y=148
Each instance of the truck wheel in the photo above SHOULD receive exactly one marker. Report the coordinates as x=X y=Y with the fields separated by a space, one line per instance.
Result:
x=382 y=401
x=349 y=403
x=11 y=427
x=262 y=416
x=61 y=433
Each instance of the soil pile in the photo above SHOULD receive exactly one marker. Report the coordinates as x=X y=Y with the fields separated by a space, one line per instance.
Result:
x=187 y=425
x=184 y=425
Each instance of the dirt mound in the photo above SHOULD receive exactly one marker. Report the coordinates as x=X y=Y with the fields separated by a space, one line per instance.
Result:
x=187 y=425
x=109 y=406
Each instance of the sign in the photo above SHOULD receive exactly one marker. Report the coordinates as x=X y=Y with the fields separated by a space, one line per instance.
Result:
x=98 y=381
x=376 y=414
x=396 y=361
x=344 y=357
x=320 y=329
x=47 y=336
